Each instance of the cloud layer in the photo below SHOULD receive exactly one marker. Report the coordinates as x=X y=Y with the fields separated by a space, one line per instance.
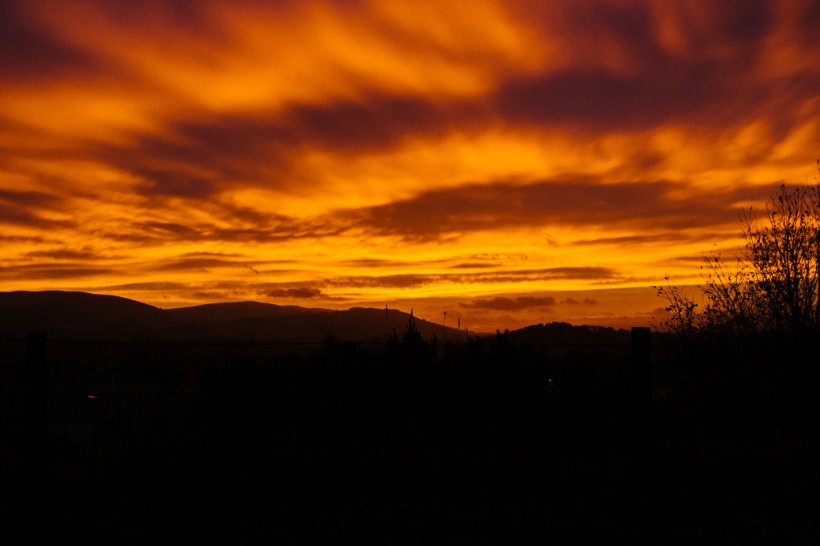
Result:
x=375 y=152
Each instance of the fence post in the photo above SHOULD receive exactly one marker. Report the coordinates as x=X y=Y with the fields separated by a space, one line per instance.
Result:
x=641 y=366
x=35 y=419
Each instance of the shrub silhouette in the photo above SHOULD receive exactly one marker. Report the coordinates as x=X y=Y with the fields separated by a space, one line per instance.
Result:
x=775 y=285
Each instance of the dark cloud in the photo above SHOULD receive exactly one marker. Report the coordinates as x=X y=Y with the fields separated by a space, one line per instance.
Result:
x=572 y=301
x=587 y=202
x=27 y=198
x=700 y=259
x=372 y=262
x=599 y=99
x=29 y=54
x=222 y=290
x=649 y=238
x=274 y=229
x=297 y=293
x=221 y=150
x=63 y=254
x=185 y=16
x=699 y=90
x=297 y=230
x=15 y=215
x=384 y=281
x=54 y=271
x=159 y=230
x=417 y=280
x=34 y=240
x=26 y=207
x=656 y=85
x=473 y=265
x=502 y=303
x=377 y=122
x=195 y=264
x=176 y=184
x=206 y=254
x=169 y=287
x=264 y=146
x=206 y=261
x=664 y=86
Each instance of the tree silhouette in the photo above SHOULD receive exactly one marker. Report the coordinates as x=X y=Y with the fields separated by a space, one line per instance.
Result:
x=784 y=255
x=414 y=346
x=775 y=284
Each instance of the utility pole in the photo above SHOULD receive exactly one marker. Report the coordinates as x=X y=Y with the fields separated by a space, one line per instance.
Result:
x=35 y=406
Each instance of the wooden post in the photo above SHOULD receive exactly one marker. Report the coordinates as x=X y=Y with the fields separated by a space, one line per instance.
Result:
x=641 y=366
x=35 y=404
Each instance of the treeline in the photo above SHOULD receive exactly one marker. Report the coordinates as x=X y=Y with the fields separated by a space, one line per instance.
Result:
x=140 y=403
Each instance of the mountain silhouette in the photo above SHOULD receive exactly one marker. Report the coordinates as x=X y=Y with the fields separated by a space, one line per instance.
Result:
x=77 y=314
x=92 y=316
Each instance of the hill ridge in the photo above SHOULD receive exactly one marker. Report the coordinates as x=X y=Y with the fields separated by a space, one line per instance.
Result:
x=85 y=315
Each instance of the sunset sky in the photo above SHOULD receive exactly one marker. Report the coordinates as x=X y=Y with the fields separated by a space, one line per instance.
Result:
x=508 y=162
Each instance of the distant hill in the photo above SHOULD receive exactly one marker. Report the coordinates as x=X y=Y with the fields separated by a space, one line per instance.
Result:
x=275 y=323
x=80 y=315
x=565 y=334
x=77 y=314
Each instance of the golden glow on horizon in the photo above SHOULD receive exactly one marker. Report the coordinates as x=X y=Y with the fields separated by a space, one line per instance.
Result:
x=472 y=155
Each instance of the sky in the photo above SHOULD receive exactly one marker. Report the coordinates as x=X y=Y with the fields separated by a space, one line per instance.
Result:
x=508 y=163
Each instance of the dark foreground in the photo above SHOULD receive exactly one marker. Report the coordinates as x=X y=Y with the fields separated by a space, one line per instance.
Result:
x=480 y=445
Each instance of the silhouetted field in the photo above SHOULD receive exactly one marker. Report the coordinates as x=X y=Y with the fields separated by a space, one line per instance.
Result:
x=495 y=439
